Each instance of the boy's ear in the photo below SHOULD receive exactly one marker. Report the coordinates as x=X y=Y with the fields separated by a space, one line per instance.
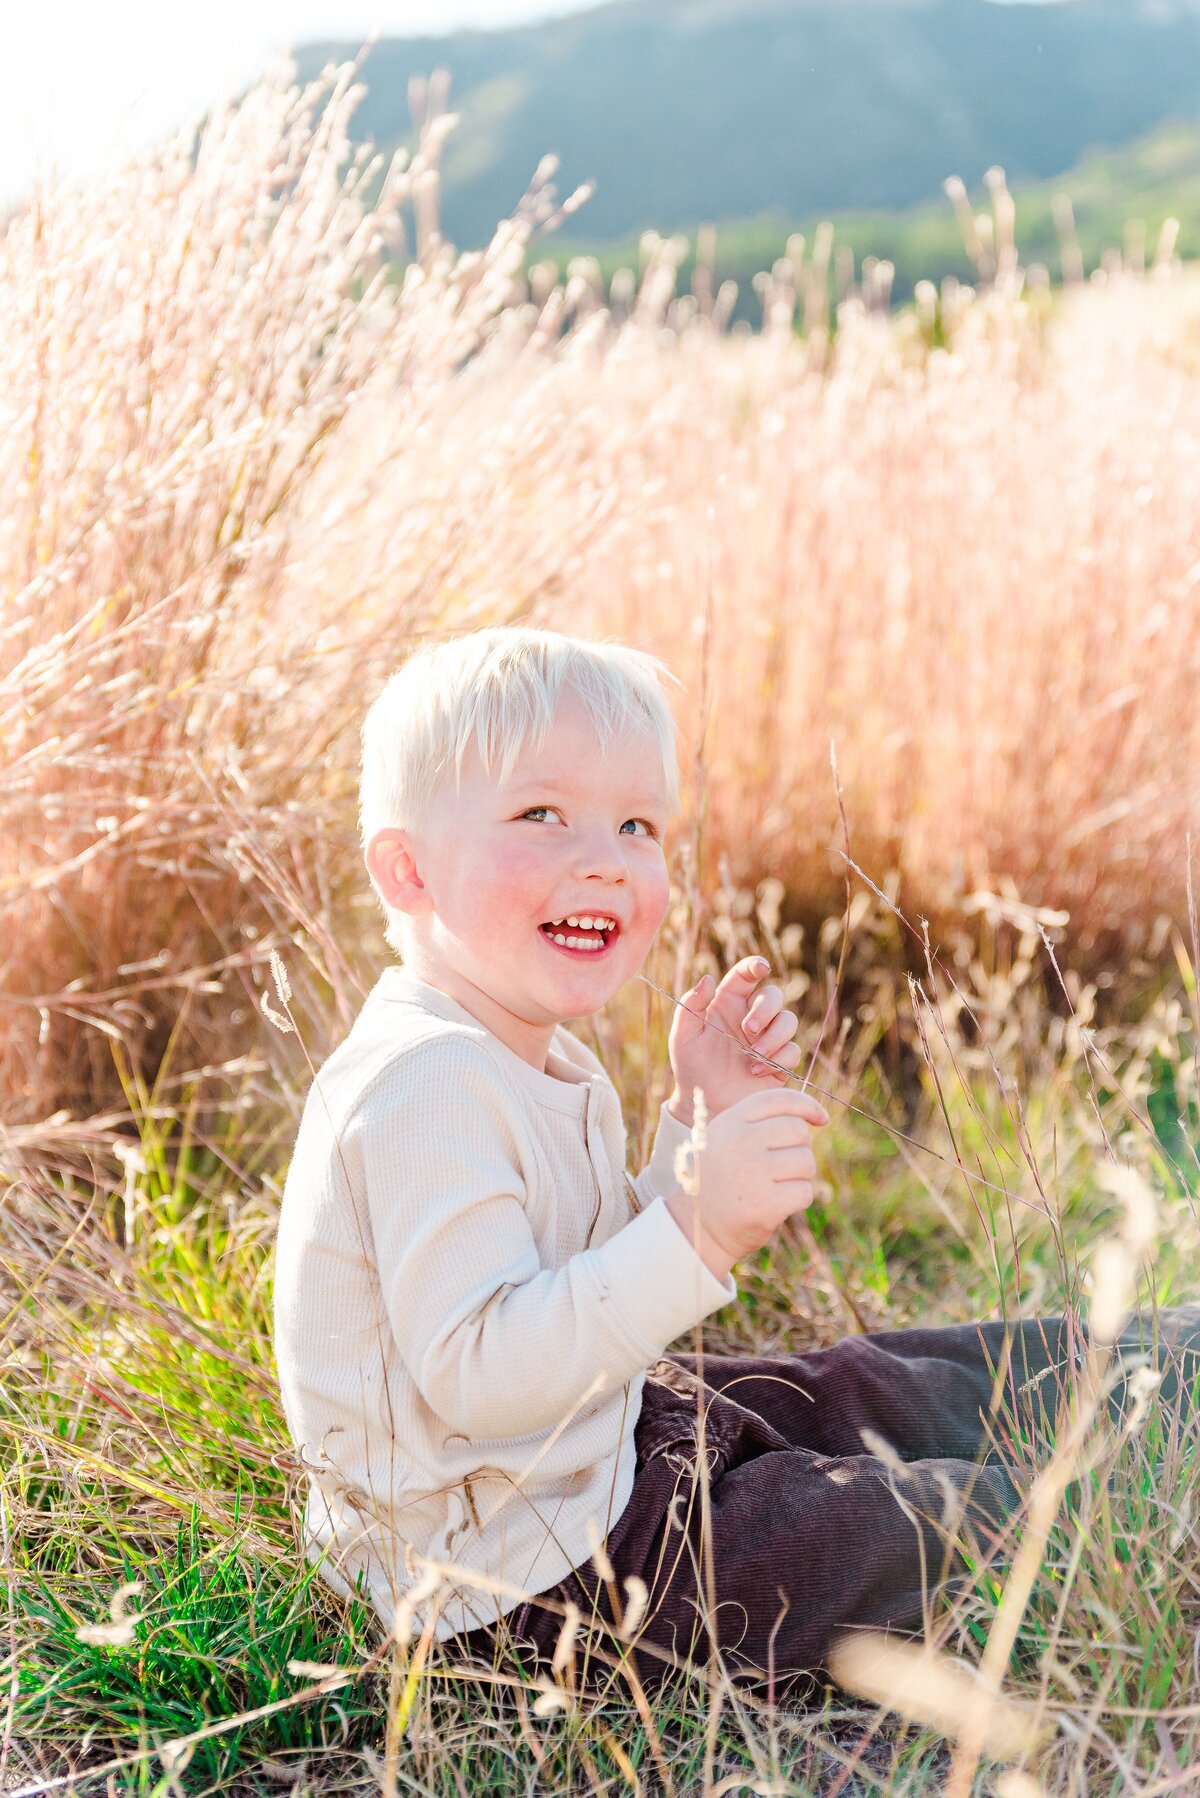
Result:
x=390 y=863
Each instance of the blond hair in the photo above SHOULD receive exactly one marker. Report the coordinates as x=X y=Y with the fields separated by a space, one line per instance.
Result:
x=500 y=687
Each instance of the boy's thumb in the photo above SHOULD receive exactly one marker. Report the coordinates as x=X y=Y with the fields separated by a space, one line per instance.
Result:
x=701 y=989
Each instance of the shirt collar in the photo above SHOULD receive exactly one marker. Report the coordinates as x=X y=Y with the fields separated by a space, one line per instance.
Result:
x=568 y=1092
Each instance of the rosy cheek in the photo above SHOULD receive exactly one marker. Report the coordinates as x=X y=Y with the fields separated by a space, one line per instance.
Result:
x=655 y=898
x=515 y=878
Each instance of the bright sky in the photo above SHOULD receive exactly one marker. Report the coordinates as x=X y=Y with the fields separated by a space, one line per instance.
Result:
x=88 y=80
x=91 y=78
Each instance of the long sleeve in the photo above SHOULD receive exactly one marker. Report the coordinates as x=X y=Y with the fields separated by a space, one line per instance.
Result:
x=658 y=1179
x=498 y=1345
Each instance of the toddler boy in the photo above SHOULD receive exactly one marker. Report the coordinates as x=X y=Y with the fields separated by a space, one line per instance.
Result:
x=473 y=1299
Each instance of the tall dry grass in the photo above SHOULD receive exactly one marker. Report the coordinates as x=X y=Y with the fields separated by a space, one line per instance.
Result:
x=212 y=384
x=245 y=464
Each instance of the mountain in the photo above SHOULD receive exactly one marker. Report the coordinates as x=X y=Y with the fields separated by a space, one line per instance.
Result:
x=685 y=111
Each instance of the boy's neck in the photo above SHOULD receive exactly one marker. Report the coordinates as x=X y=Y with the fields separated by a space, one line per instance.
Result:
x=528 y=1040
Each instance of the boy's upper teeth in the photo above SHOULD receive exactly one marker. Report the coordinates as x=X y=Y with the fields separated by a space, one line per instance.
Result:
x=585 y=922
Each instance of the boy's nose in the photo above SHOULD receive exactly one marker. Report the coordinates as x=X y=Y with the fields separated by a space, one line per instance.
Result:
x=599 y=859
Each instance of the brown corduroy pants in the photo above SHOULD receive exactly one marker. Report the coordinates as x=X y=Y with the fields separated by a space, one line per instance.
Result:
x=812 y=1533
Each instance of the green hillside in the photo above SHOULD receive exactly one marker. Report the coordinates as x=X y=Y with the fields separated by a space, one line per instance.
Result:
x=687 y=110
x=1149 y=181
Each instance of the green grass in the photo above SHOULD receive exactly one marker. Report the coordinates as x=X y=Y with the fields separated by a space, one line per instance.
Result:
x=217 y=1632
x=1156 y=178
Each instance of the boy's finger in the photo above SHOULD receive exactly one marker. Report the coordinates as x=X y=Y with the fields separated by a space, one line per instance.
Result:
x=785 y=1058
x=767 y=1009
x=782 y=1100
x=745 y=973
x=690 y=1013
x=736 y=986
x=770 y=1027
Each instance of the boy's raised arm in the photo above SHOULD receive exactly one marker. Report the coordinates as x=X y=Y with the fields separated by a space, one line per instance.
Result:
x=497 y=1344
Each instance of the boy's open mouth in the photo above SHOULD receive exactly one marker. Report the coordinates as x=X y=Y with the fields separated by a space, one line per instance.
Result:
x=587 y=934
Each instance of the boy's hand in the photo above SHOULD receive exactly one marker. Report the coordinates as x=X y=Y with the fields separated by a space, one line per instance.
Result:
x=721 y=1064
x=755 y=1169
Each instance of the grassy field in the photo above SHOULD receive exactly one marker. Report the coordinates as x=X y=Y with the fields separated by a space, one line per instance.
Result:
x=932 y=584
x=147 y=1473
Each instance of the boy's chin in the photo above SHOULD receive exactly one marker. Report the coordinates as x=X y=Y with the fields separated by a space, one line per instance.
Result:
x=585 y=1007
x=600 y=993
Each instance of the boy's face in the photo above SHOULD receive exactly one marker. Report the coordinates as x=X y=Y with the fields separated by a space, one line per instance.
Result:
x=573 y=833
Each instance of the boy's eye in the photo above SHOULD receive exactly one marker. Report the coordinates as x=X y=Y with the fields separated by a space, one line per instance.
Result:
x=650 y=830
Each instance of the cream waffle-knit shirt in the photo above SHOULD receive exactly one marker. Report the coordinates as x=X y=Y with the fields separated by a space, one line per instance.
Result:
x=468 y=1290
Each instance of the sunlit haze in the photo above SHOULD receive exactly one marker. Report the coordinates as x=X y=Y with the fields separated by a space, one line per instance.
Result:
x=89 y=83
